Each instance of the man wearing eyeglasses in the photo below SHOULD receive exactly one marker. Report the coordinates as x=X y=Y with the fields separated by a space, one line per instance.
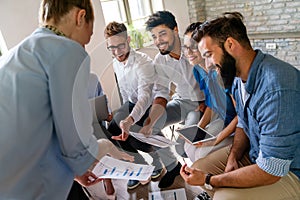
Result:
x=135 y=75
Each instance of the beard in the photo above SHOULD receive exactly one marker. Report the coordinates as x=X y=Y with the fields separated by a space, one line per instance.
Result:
x=166 y=51
x=123 y=58
x=169 y=49
x=227 y=69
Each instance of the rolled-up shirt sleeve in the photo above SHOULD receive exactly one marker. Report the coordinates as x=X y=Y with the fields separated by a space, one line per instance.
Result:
x=274 y=166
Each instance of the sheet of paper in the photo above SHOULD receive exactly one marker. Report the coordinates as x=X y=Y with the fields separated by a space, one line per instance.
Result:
x=155 y=140
x=109 y=167
x=178 y=194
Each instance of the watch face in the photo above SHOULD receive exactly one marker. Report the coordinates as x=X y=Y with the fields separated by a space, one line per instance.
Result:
x=208 y=187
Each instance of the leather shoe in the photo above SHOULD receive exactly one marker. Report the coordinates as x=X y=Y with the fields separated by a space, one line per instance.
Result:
x=156 y=173
x=168 y=179
x=133 y=184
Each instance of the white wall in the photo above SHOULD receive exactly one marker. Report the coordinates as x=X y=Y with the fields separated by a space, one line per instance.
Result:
x=19 y=18
x=180 y=10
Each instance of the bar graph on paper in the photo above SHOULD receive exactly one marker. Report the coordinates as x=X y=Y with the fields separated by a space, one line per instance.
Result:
x=109 y=167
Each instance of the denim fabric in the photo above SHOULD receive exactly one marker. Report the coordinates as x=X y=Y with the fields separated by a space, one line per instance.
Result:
x=271 y=115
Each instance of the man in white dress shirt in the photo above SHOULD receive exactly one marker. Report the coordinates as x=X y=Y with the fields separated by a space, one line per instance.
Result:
x=172 y=67
x=135 y=75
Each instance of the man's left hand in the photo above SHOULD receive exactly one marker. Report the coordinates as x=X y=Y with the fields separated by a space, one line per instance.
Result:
x=192 y=176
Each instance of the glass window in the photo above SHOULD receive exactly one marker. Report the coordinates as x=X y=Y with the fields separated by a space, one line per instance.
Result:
x=131 y=12
x=139 y=8
x=134 y=13
x=157 y=5
x=113 y=10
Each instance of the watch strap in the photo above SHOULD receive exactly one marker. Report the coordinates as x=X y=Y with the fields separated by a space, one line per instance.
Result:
x=207 y=184
x=207 y=178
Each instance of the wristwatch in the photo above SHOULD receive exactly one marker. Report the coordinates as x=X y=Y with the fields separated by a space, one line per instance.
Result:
x=207 y=184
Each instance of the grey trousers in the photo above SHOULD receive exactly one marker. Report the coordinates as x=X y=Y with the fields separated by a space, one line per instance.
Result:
x=177 y=110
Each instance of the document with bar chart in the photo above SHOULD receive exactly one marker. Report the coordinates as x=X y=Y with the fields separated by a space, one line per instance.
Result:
x=109 y=167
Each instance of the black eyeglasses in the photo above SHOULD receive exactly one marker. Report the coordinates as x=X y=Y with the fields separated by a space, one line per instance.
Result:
x=193 y=48
x=119 y=46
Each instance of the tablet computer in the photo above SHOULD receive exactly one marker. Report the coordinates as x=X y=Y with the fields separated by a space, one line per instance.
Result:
x=99 y=108
x=195 y=134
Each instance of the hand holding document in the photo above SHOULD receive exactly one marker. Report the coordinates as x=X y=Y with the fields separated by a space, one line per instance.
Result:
x=109 y=167
x=155 y=140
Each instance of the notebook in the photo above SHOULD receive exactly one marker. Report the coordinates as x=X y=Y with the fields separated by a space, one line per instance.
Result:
x=99 y=108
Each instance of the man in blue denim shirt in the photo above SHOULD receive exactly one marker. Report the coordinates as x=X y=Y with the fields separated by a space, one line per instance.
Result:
x=264 y=160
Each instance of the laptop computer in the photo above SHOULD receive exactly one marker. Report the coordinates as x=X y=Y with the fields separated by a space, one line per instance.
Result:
x=99 y=108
